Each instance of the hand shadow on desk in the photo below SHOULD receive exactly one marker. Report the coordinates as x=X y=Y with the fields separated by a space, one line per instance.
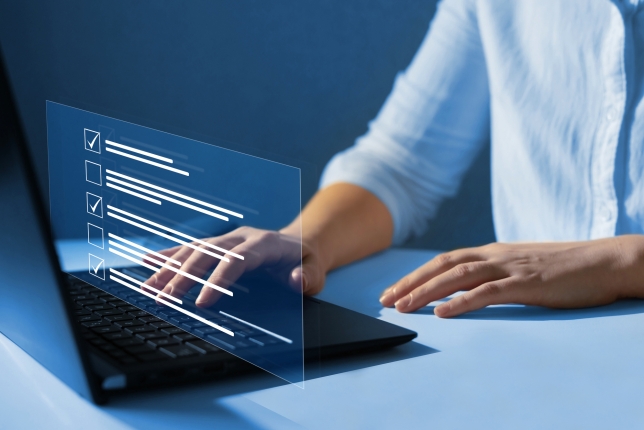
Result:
x=537 y=313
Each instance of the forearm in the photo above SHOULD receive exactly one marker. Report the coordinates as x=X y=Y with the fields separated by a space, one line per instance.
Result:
x=344 y=222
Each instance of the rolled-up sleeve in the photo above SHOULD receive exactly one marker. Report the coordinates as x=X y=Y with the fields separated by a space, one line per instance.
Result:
x=429 y=129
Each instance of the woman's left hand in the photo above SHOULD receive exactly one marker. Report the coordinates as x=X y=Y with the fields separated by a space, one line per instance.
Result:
x=557 y=275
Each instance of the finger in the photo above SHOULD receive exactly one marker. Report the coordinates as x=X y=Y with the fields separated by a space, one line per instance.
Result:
x=260 y=249
x=439 y=264
x=161 y=278
x=462 y=277
x=226 y=274
x=307 y=278
x=197 y=265
x=168 y=252
x=490 y=293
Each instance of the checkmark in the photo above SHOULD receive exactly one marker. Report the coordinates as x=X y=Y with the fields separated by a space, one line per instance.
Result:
x=91 y=144
x=95 y=269
x=92 y=140
x=94 y=205
x=96 y=266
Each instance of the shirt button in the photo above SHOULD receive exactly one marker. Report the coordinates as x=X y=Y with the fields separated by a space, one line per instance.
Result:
x=611 y=114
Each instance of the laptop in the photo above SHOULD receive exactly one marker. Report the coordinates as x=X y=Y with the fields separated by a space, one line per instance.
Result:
x=101 y=344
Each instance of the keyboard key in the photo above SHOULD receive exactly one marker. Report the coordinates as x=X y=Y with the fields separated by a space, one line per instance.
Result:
x=99 y=323
x=103 y=307
x=205 y=331
x=161 y=324
x=172 y=330
x=139 y=314
x=128 y=342
x=264 y=340
x=185 y=336
x=179 y=351
x=140 y=329
x=167 y=313
x=86 y=298
x=152 y=335
x=192 y=324
x=89 y=317
x=112 y=311
x=157 y=343
x=106 y=329
x=119 y=317
x=118 y=302
x=89 y=301
x=81 y=312
x=149 y=319
x=127 y=307
x=228 y=341
x=155 y=356
x=178 y=319
x=117 y=336
x=130 y=323
x=203 y=347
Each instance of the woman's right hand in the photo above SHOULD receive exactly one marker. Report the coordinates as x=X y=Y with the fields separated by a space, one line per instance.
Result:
x=284 y=255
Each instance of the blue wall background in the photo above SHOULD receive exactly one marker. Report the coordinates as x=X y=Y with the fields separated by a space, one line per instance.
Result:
x=291 y=80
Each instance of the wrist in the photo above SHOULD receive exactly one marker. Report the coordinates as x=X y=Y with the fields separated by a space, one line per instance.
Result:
x=311 y=244
x=630 y=257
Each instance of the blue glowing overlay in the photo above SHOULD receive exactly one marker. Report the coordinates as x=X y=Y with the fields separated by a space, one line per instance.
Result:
x=154 y=219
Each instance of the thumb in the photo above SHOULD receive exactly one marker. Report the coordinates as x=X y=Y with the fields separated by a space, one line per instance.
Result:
x=308 y=278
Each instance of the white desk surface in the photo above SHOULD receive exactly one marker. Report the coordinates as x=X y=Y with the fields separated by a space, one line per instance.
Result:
x=502 y=367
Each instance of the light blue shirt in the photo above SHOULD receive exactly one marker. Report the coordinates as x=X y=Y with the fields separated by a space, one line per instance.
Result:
x=558 y=87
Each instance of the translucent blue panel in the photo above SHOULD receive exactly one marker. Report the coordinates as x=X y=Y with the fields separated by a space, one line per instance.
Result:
x=182 y=229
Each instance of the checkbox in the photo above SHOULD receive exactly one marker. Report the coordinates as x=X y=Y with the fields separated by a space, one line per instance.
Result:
x=96 y=267
x=94 y=204
x=92 y=140
x=95 y=236
x=93 y=173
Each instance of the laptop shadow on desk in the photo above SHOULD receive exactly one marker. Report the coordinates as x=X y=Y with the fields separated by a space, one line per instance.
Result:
x=537 y=313
x=198 y=405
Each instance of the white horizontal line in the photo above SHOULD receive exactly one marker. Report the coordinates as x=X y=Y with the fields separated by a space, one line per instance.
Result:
x=175 y=307
x=143 y=248
x=174 y=193
x=170 y=199
x=143 y=160
x=167 y=236
x=138 y=151
x=134 y=193
x=178 y=233
x=172 y=269
x=132 y=259
x=131 y=279
x=282 y=338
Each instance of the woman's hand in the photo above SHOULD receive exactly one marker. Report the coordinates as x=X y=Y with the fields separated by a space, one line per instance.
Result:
x=274 y=251
x=557 y=275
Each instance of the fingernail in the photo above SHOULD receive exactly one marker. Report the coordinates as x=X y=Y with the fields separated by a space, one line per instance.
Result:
x=442 y=310
x=385 y=298
x=403 y=303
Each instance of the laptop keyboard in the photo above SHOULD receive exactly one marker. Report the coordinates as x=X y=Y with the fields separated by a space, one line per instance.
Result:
x=129 y=334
